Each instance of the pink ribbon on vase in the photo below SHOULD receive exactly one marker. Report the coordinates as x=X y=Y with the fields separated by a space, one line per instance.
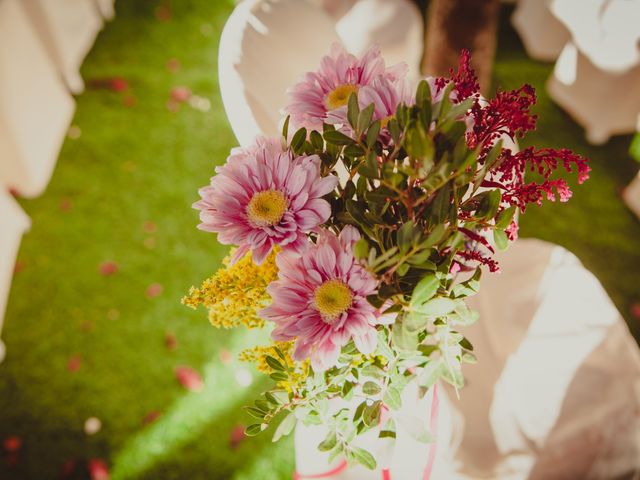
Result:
x=386 y=474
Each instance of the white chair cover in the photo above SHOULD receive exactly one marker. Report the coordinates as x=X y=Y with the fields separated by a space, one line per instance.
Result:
x=13 y=223
x=106 y=8
x=556 y=391
x=542 y=34
x=67 y=29
x=35 y=107
x=603 y=103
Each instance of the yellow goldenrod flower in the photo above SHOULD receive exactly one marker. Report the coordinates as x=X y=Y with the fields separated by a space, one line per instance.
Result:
x=235 y=293
x=297 y=371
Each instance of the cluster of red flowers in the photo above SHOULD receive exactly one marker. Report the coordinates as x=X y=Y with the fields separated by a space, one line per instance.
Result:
x=508 y=114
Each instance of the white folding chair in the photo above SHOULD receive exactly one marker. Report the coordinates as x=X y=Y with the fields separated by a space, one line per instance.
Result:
x=35 y=107
x=13 y=223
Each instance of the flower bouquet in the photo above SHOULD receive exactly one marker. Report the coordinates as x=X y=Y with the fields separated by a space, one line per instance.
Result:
x=360 y=233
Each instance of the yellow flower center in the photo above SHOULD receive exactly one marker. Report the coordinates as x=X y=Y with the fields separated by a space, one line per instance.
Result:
x=339 y=96
x=267 y=208
x=332 y=299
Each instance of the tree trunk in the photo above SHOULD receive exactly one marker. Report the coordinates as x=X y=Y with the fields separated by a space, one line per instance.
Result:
x=456 y=24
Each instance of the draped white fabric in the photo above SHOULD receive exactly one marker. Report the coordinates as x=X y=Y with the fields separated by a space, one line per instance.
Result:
x=597 y=46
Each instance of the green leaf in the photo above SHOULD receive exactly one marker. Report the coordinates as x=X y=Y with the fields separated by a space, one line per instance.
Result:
x=500 y=239
x=489 y=204
x=430 y=373
x=298 y=139
x=392 y=398
x=405 y=236
x=425 y=289
x=436 y=307
x=274 y=364
x=459 y=109
x=466 y=344
x=353 y=110
x=335 y=137
x=279 y=376
x=253 y=430
x=365 y=117
x=369 y=168
x=415 y=322
x=285 y=428
x=371 y=388
x=329 y=442
x=423 y=93
x=504 y=219
x=285 y=128
x=254 y=412
x=271 y=398
x=316 y=140
x=434 y=236
x=364 y=458
x=403 y=338
x=371 y=413
x=361 y=249
x=353 y=150
x=373 y=133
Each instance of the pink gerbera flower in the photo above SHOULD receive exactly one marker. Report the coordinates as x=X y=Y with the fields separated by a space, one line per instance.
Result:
x=262 y=197
x=340 y=74
x=320 y=299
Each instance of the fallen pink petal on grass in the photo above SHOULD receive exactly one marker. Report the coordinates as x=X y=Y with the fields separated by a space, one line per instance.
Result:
x=107 y=268
x=180 y=94
x=66 y=205
x=149 y=227
x=19 y=266
x=12 y=444
x=189 y=378
x=129 y=100
x=225 y=356
x=151 y=417
x=173 y=65
x=74 y=363
x=170 y=341
x=98 y=469
x=237 y=436
x=154 y=290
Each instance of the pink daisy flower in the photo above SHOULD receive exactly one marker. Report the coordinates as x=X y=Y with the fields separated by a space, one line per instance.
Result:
x=340 y=74
x=320 y=299
x=262 y=197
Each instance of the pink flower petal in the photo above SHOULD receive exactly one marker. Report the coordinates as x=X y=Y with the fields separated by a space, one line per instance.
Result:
x=107 y=268
x=189 y=378
x=154 y=290
x=74 y=363
x=12 y=443
x=98 y=469
x=170 y=341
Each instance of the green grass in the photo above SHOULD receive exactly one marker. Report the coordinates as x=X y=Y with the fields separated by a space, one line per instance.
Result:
x=140 y=164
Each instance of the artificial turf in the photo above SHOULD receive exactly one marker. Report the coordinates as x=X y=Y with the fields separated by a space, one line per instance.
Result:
x=85 y=344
